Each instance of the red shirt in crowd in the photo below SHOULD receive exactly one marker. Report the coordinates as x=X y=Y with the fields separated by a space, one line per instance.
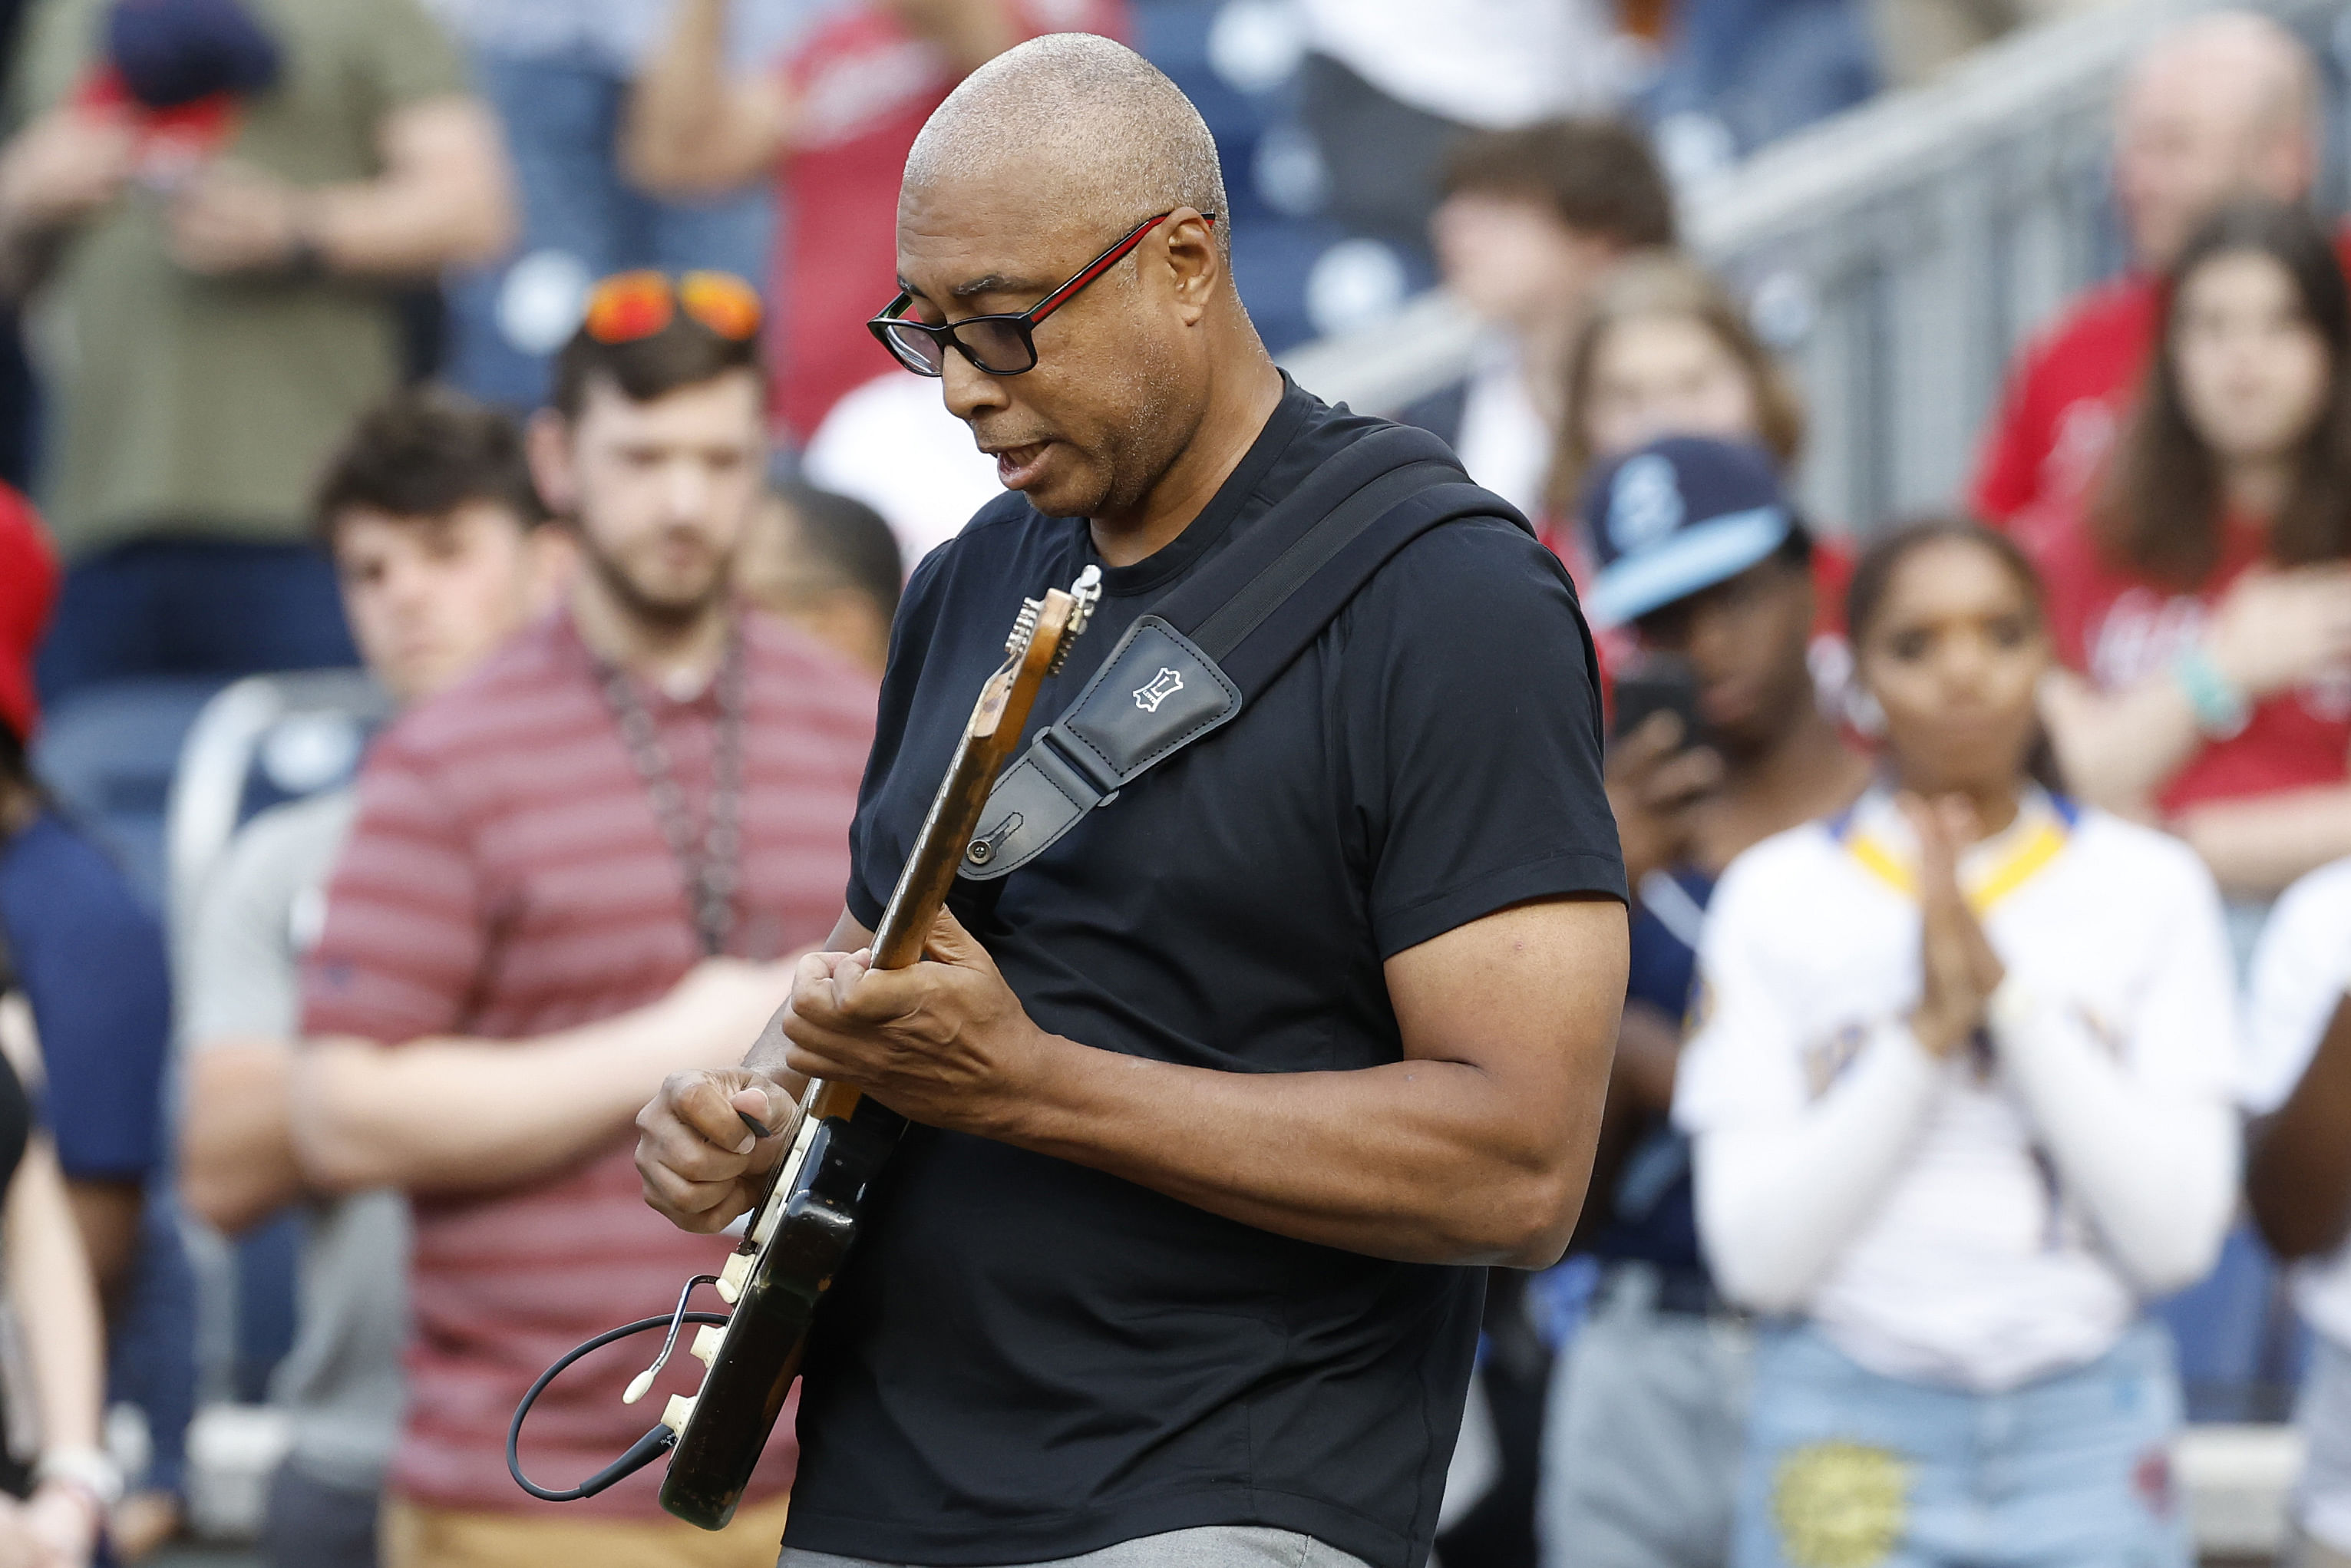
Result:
x=2064 y=400
x=863 y=86
x=2117 y=629
x=507 y=878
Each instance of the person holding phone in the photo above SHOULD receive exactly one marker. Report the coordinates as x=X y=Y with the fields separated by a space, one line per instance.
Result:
x=1720 y=743
x=1959 y=1102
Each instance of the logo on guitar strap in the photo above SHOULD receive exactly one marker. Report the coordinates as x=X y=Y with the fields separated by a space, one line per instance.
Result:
x=1163 y=684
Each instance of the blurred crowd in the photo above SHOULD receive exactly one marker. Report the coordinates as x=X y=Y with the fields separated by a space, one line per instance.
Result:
x=1991 y=870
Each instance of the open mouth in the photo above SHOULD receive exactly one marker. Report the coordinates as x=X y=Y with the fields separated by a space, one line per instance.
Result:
x=1017 y=466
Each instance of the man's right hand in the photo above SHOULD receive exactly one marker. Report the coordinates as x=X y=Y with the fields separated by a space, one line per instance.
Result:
x=700 y=1165
x=64 y=167
x=1656 y=783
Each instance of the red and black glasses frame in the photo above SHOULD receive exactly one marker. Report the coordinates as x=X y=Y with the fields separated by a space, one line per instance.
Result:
x=998 y=345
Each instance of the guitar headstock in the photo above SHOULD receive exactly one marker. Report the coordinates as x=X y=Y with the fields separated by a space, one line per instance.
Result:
x=1042 y=635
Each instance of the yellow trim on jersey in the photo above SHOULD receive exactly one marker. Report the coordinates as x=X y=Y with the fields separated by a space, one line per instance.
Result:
x=2012 y=870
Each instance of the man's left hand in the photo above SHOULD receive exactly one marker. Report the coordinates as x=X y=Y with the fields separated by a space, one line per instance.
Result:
x=237 y=218
x=944 y=1042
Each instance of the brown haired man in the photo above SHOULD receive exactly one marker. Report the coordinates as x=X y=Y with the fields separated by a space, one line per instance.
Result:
x=571 y=874
x=1531 y=219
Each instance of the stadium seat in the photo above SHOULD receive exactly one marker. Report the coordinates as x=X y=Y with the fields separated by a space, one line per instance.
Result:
x=108 y=752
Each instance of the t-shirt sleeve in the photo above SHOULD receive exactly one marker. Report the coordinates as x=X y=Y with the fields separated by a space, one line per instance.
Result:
x=242 y=979
x=409 y=58
x=2016 y=442
x=407 y=928
x=2299 y=972
x=1472 y=709
x=1744 y=1062
x=2184 y=1041
x=58 y=42
x=103 y=1046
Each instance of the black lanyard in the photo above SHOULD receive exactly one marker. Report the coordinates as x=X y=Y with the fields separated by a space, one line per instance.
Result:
x=705 y=860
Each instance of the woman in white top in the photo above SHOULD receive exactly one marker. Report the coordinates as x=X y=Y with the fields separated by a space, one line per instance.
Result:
x=1958 y=1092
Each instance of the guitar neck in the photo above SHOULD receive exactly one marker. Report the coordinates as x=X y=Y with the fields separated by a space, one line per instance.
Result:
x=921 y=892
x=989 y=739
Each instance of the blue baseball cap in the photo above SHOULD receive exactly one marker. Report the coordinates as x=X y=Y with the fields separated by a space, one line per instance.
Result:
x=1677 y=516
x=173 y=52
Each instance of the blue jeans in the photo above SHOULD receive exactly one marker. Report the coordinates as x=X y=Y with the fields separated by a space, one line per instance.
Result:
x=1846 y=1469
x=169 y=606
x=580 y=218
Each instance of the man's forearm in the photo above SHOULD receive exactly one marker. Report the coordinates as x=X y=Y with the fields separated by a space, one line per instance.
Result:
x=2256 y=848
x=444 y=200
x=237 y=1150
x=691 y=128
x=463 y=1115
x=1401 y=1161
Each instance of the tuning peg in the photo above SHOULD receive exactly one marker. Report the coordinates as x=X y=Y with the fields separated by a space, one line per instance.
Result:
x=679 y=1411
x=706 y=1340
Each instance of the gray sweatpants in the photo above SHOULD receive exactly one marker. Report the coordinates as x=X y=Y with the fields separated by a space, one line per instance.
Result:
x=1643 y=1434
x=1211 y=1546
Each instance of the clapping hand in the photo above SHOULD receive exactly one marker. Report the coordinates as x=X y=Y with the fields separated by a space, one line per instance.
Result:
x=1958 y=970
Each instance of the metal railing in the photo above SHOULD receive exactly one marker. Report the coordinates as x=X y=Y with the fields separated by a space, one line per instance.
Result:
x=1897 y=254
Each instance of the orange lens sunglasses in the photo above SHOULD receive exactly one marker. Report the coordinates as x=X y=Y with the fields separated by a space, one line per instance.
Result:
x=630 y=305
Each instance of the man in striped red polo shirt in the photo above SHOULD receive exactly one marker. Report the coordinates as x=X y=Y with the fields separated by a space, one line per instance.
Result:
x=573 y=873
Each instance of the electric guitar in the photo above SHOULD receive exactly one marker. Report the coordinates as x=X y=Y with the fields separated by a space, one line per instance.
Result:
x=801 y=1231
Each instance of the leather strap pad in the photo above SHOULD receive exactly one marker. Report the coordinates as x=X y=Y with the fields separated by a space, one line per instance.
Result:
x=1155 y=693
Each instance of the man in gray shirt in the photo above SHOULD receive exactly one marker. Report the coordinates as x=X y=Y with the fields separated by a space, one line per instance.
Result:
x=435 y=529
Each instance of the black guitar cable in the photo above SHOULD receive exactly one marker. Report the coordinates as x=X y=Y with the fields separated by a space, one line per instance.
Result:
x=642 y=1452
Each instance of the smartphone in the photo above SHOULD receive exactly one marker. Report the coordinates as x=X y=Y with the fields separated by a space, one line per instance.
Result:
x=1660 y=682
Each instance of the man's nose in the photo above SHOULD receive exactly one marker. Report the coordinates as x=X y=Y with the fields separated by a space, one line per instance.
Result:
x=685 y=490
x=970 y=391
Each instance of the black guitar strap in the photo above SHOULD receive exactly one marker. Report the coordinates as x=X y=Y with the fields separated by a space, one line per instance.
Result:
x=1215 y=642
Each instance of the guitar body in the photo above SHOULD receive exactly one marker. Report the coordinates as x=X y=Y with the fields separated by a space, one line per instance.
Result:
x=816 y=1209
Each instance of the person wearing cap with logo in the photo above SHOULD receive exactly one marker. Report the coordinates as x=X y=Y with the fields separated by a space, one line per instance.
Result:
x=1704 y=562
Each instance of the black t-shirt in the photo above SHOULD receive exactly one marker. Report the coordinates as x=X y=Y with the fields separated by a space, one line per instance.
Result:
x=1026 y=1359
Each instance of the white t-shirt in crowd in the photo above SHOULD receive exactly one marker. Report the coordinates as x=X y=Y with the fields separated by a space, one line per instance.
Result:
x=1504 y=442
x=2300 y=971
x=1490 y=63
x=892 y=445
x=1985 y=1220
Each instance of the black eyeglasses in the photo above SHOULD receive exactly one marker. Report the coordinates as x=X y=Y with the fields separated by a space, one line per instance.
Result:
x=999 y=345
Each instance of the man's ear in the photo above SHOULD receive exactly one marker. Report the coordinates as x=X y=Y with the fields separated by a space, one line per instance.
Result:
x=1195 y=261
x=546 y=442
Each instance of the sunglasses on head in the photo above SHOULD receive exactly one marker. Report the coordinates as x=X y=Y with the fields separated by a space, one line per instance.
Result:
x=630 y=306
x=1000 y=345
